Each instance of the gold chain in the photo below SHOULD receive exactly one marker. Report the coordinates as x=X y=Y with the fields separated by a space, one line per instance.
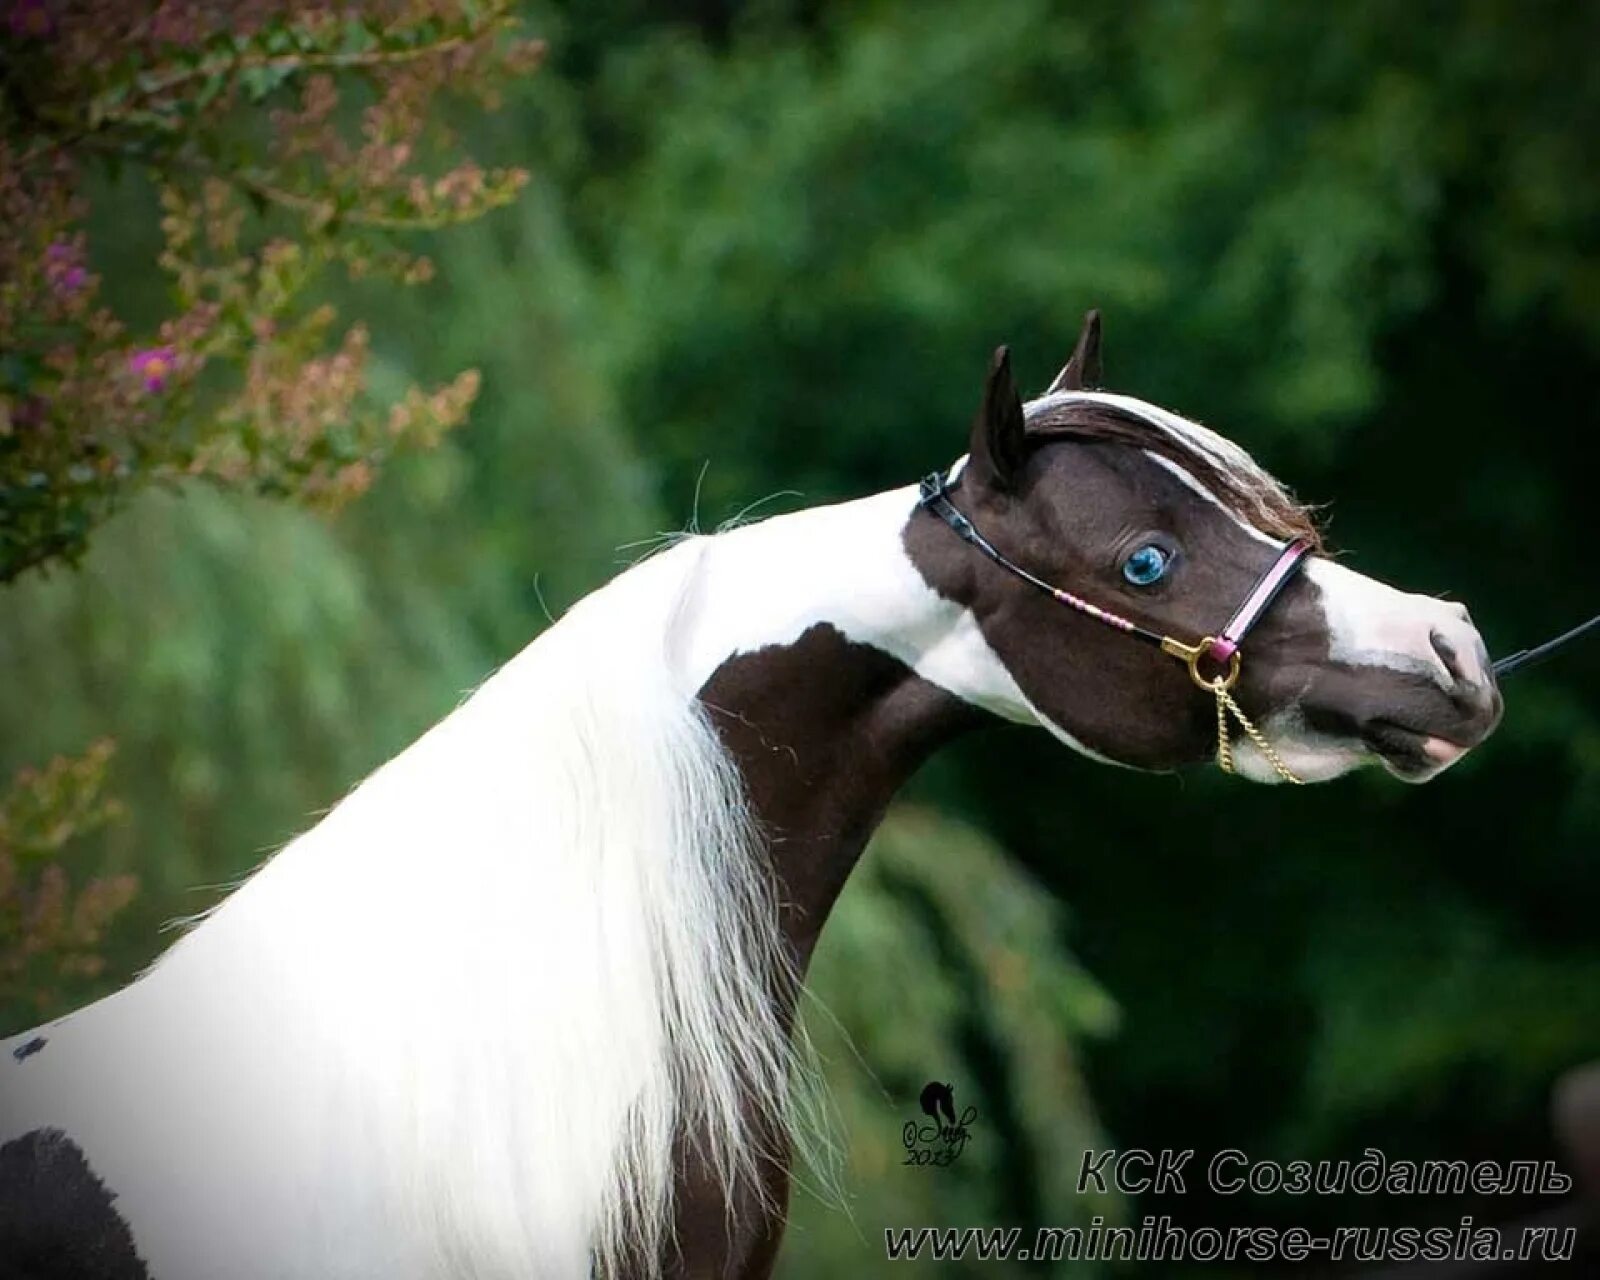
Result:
x=1190 y=655
x=1224 y=743
x=1225 y=704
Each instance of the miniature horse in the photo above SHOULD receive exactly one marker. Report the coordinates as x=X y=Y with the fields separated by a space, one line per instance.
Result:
x=520 y=1005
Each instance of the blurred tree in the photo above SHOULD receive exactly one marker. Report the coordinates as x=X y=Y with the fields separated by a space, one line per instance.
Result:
x=55 y=936
x=222 y=113
x=941 y=927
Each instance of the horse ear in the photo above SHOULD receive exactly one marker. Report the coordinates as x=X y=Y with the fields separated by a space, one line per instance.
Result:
x=1082 y=370
x=999 y=444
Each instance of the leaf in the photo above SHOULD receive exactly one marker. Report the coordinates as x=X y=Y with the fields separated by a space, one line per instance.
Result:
x=214 y=84
x=357 y=36
x=261 y=80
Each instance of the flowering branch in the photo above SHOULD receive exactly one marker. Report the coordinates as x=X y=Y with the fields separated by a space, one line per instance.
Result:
x=283 y=138
x=239 y=115
x=105 y=107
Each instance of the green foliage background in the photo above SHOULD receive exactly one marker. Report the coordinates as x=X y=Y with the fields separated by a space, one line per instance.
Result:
x=768 y=248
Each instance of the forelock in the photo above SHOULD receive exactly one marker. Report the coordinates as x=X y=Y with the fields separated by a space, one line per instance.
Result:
x=1217 y=464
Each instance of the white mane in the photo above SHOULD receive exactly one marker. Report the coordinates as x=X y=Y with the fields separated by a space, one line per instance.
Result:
x=559 y=883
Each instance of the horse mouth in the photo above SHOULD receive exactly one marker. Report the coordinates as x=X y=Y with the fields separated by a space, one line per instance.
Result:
x=1413 y=755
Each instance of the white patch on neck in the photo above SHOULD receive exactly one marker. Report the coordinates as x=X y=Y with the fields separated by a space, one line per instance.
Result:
x=846 y=565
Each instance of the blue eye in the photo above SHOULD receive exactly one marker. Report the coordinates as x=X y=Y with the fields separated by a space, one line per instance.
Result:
x=1146 y=566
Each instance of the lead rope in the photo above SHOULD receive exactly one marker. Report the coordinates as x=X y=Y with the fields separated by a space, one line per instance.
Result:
x=1527 y=657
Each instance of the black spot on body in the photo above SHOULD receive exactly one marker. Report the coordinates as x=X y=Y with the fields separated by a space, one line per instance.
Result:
x=25 y=1051
x=57 y=1219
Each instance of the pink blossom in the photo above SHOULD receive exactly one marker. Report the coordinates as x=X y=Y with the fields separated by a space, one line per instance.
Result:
x=64 y=269
x=154 y=366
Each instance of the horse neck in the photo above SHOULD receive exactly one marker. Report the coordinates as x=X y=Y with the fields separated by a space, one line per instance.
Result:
x=833 y=670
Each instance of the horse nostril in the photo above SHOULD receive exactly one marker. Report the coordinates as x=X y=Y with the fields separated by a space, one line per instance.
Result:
x=1471 y=685
x=1447 y=655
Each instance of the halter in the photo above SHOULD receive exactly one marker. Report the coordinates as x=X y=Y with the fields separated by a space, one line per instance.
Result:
x=1222 y=648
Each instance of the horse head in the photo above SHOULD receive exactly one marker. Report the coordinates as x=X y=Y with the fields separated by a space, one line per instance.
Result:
x=1163 y=528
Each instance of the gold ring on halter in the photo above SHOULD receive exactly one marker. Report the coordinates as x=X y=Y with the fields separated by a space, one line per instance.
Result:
x=1190 y=654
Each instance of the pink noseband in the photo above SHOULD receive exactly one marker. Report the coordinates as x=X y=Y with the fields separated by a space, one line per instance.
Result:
x=1226 y=643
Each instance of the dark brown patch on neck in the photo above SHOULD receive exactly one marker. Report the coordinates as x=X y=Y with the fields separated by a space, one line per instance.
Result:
x=824 y=731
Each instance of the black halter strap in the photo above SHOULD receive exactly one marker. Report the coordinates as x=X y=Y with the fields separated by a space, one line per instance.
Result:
x=1222 y=647
x=936 y=498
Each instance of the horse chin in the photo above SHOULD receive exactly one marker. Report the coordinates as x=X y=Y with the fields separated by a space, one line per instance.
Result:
x=1311 y=756
x=1412 y=755
x=1415 y=729
x=1405 y=754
